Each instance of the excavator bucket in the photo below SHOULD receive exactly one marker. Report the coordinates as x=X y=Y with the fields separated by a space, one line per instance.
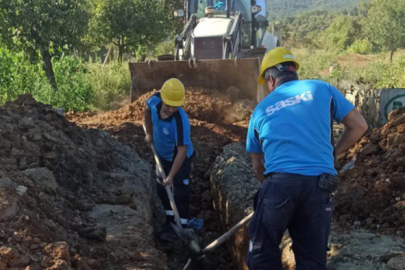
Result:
x=235 y=78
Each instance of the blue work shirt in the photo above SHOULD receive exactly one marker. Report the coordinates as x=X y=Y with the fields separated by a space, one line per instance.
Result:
x=170 y=132
x=293 y=127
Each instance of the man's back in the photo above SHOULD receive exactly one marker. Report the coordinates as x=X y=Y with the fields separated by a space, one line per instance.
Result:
x=293 y=127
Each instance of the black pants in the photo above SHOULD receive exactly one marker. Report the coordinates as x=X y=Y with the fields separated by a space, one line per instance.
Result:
x=181 y=190
x=296 y=203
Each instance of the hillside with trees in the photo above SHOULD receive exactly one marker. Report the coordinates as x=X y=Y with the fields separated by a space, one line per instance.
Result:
x=363 y=44
x=287 y=8
x=55 y=50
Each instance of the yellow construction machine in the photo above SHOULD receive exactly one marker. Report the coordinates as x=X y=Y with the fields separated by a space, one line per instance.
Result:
x=220 y=48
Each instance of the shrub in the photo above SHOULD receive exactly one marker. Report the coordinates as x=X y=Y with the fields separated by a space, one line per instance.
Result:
x=361 y=46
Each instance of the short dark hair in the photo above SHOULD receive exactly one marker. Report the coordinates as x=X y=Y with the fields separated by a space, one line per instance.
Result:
x=285 y=70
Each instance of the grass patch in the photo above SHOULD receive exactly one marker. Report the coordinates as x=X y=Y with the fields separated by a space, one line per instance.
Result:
x=374 y=69
x=111 y=84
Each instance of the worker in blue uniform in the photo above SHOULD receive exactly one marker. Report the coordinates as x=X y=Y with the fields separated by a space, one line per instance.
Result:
x=168 y=127
x=290 y=139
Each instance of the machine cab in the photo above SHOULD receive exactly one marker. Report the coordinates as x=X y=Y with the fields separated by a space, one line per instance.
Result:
x=219 y=11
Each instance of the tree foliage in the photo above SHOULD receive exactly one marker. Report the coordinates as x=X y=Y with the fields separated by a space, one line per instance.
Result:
x=43 y=27
x=286 y=8
x=19 y=76
x=385 y=24
x=370 y=27
x=303 y=29
x=128 y=23
x=341 y=33
x=361 y=46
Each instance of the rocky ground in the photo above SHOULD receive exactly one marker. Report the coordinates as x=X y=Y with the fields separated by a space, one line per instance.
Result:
x=78 y=196
x=215 y=122
x=351 y=247
x=71 y=198
x=372 y=193
x=211 y=132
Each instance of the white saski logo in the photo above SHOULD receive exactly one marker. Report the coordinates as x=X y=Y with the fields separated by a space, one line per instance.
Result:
x=289 y=102
x=165 y=131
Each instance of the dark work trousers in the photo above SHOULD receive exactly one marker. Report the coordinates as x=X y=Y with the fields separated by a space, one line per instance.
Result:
x=181 y=190
x=293 y=202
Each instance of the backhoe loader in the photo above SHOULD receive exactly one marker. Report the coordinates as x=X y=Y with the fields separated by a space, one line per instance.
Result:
x=219 y=48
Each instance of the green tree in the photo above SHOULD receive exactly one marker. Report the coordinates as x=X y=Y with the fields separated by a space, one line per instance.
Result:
x=128 y=23
x=304 y=28
x=385 y=24
x=341 y=33
x=43 y=27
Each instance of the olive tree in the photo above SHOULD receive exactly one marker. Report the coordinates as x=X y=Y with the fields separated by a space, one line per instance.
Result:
x=44 y=28
x=385 y=24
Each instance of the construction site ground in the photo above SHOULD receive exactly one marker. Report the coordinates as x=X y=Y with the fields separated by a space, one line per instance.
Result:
x=60 y=180
x=215 y=122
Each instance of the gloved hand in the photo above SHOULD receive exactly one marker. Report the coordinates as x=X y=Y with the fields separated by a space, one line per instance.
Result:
x=195 y=223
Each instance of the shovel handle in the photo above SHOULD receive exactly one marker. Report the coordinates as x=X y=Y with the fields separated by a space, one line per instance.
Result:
x=228 y=234
x=167 y=188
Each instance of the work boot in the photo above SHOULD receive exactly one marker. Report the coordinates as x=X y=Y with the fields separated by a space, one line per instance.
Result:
x=168 y=234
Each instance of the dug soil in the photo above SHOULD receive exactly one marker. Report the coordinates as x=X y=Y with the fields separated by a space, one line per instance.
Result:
x=79 y=194
x=71 y=198
x=372 y=192
x=215 y=122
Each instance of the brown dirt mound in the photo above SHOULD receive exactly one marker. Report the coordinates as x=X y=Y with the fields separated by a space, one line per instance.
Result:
x=200 y=104
x=52 y=174
x=372 y=194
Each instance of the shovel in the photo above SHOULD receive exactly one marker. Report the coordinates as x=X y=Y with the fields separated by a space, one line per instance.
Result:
x=200 y=255
x=186 y=235
x=228 y=234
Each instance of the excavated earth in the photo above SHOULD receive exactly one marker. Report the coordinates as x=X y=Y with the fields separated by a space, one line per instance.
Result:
x=215 y=122
x=372 y=193
x=76 y=195
x=71 y=198
x=234 y=186
x=223 y=179
x=370 y=196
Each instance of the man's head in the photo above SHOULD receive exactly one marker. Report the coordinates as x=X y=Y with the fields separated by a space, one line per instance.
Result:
x=173 y=96
x=277 y=65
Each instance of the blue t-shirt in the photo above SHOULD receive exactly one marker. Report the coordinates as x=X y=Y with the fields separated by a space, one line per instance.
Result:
x=170 y=132
x=293 y=127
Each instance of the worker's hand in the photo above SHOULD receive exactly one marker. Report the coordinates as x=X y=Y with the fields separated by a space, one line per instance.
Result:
x=149 y=139
x=168 y=181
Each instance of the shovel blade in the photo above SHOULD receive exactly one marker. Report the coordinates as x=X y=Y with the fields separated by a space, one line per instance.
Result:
x=184 y=233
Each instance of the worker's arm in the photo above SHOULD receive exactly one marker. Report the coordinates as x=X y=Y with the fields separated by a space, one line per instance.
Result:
x=178 y=162
x=258 y=166
x=254 y=146
x=148 y=125
x=356 y=126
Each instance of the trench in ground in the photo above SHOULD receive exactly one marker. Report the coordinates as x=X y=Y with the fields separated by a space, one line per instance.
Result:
x=215 y=122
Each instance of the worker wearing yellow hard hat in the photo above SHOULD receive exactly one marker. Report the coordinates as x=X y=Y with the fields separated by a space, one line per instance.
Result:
x=289 y=138
x=173 y=93
x=168 y=128
x=276 y=57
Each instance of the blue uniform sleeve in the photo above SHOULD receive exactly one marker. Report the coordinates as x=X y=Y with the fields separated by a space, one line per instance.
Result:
x=182 y=129
x=153 y=100
x=340 y=105
x=253 y=144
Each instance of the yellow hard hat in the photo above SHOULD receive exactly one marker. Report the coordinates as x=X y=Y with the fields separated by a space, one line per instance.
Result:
x=173 y=92
x=274 y=57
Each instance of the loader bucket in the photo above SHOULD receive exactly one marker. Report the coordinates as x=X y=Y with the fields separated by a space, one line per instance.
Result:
x=235 y=78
